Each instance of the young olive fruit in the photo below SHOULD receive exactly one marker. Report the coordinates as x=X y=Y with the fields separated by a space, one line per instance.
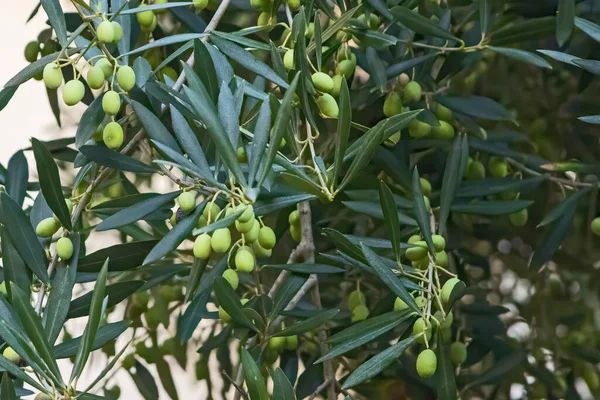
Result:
x=266 y=19
x=145 y=17
x=224 y=316
x=519 y=218
x=11 y=355
x=360 y=313
x=111 y=102
x=95 y=77
x=412 y=92
x=373 y=22
x=288 y=59
x=414 y=239
x=294 y=4
x=291 y=342
x=112 y=135
x=399 y=304
x=447 y=289
x=200 y=4
x=244 y=260
x=211 y=211
x=346 y=54
x=252 y=235
x=241 y=155
x=202 y=246
x=221 y=240
x=118 y=31
x=475 y=170
x=355 y=299
x=590 y=376
x=426 y=363
x=458 y=353
x=421 y=264
x=115 y=190
x=106 y=67
x=152 y=318
x=64 y=248
x=47 y=227
x=126 y=78
x=418 y=252
x=106 y=32
x=42 y=396
x=187 y=201
x=150 y=27
x=328 y=105
x=247 y=215
x=444 y=131
x=595 y=226
x=337 y=85
x=393 y=140
x=266 y=238
x=294 y=218
x=232 y=278
x=276 y=343
x=418 y=129
x=201 y=222
x=52 y=75
x=244 y=227
x=498 y=167
x=425 y=187
x=439 y=243
x=392 y=104
x=322 y=82
x=296 y=233
x=345 y=68
x=73 y=92
x=261 y=251
x=32 y=49
x=443 y=113
x=441 y=259
x=310 y=30
x=420 y=326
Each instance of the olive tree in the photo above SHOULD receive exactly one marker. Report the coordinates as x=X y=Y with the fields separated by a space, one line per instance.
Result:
x=358 y=199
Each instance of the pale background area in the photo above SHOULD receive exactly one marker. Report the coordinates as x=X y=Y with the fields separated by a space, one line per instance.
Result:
x=28 y=114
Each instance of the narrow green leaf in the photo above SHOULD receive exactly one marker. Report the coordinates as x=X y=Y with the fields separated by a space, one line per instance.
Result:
x=376 y=68
x=390 y=213
x=91 y=328
x=17 y=372
x=499 y=368
x=453 y=174
x=145 y=382
x=164 y=372
x=386 y=275
x=91 y=118
x=154 y=127
x=344 y=244
x=381 y=8
x=123 y=256
x=365 y=332
x=485 y=15
x=282 y=388
x=521 y=32
x=420 y=210
x=286 y=293
x=228 y=115
x=53 y=101
x=492 y=207
x=590 y=119
x=560 y=56
x=522 y=55
x=8 y=389
x=113 y=159
x=116 y=293
x=57 y=19
x=188 y=140
x=420 y=24
x=445 y=374
x=205 y=68
x=24 y=239
x=259 y=141
x=165 y=41
x=309 y=324
x=332 y=29
x=476 y=106
x=6 y=95
x=124 y=20
x=376 y=364
x=552 y=239
x=307 y=268
x=267 y=206
x=176 y=235
x=396 y=69
x=590 y=28
x=254 y=380
x=303 y=184
x=50 y=183
x=224 y=222
x=231 y=303
x=566 y=205
x=15 y=270
x=136 y=212
x=375 y=211
x=491 y=186
x=565 y=21
x=343 y=129
x=105 y=334
x=17 y=174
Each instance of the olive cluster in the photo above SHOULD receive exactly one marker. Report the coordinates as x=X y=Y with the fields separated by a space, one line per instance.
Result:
x=47 y=227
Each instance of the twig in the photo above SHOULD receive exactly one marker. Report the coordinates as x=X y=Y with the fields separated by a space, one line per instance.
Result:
x=560 y=181
x=319 y=389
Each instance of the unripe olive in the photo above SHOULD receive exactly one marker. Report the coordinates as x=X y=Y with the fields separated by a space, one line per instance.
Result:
x=11 y=355
x=244 y=227
x=400 y=305
x=444 y=322
x=111 y=102
x=73 y=92
x=426 y=363
x=115 y=190
x=187 y=201
x=276 y=343
x=43 y=396
x=337 y=85
x=106 y=32
x=151 y=26
x=288 y=59
x=328 y=105
x=445 y=334
x=355 y=299
x=118 y=31
x=106 y=66
x=418 y=252
x=519 y=218
x=265 y=19
x=296 y=233
x=252 y=235
x=447 y=289
x=475 y=170
x=322 y=82
x=201 y=222
x=420 y=301
x=145 y=18
x=373 y=20
x=595 y=226
x=422 y=264
x=360 y=313
x=590 y=376
x=221 y=240
x=244 y=260
x=47 y=227
x=232 y=277
x=224 y=316
x=393 y=139
x=439 y=243
x=443 y=131
x=64 y=248
x=291 y=342
x=52 y=76
x=418 y=129
x=141 y=299
x=241 y=154
x=441 y=259
x=345 y=68
x=420 y=326
x=294 y=218
x=392 y=104
x=498 y=167
x=202 y=246
x=266 y=237
x=310 y=30
x=32 y=50
x=211 y=211
x=248 y=213
x=414 y=239
x=412 y=92
x=425 y=187
x=261 y=251
x=112 y=135
x=200 y=4
x=95 y=77
x=346 y=54
x=458 y=353
x=126 y=78
x=443 y=113
x=294 y=4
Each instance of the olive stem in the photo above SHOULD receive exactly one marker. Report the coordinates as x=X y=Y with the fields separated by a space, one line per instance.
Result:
x=561 y=181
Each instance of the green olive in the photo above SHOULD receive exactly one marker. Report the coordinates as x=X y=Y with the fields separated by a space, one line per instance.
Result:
x=360 y=313
x=475 y=170
x=590 y=376
x=418 y=252
x=106 y=32
x=426 y=363
x=43 y=396
x=439 y=243
x=52 y=75
x=345 y=68
x=443 y=113
x=150 y=27
x=112 y=135
x=115 y=190
x=261 y=251
x=224 y=316
x=291 y=342
x=293 y=4
x=458 y=353
x=288 y=59
x=444 y=131
x=211 y=211
x=64 y=248
x=392 y=104
x=400 y=305
x=266 y=19
x=420 y=326
x=421 y=264
x=202 y=246
x=595 y=226
x=355 y=299
x=441 y=259
x=425 y=187
x=201 y=222
x=244 y=227
x=373 y=20
x=412 y=92
x=296 y=233
x=118 y=31
x=252 y=235
x=200 y=4
x=414 y=239
x=73 y=92
x=247 y=214
x=95 y=77
x=244 y=260
x=126 y=78
x=294 y=218
x=221 y=240
x=418 y=129
x=448 y=288
x=169 y=72
x=322 y=82
x=498 y=167
x=11 y=355
x=310 y=30
x=111 y=102
x=145 y=17
x=187 y=201
x=232 y=278
x=266 y=238
x=328 y=105
x=106 y=66
x=519 y=218
x=32 y=49
x=337 y=85
x=346 y=54
x=47 y=227
x=276 y=343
